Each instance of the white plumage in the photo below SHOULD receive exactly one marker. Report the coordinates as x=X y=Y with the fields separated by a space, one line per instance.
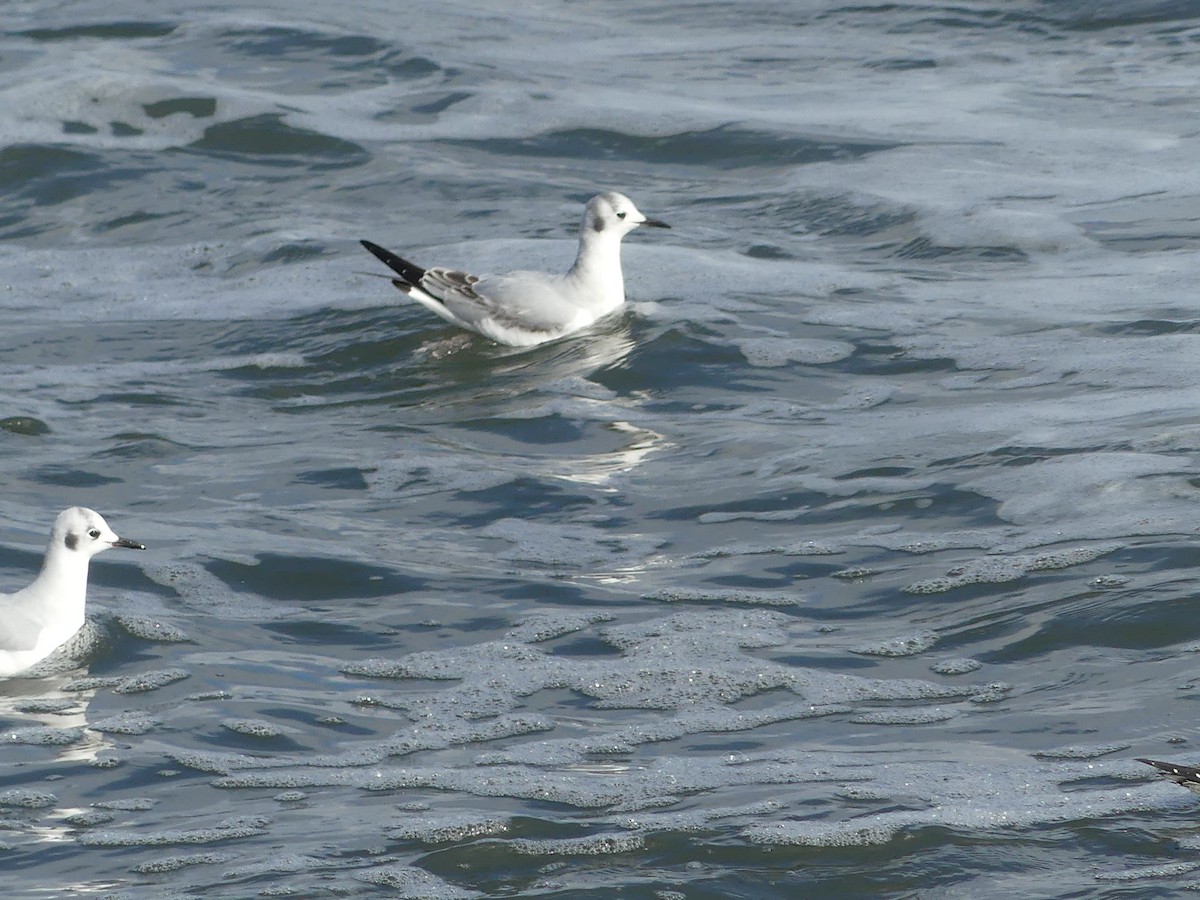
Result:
x=37 y=620
x=521 y=309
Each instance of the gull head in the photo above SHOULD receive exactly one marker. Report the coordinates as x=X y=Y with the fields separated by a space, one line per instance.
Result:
x=613 y=214
x=79 y=530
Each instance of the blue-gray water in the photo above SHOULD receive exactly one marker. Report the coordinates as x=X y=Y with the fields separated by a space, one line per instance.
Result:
x=857 y=557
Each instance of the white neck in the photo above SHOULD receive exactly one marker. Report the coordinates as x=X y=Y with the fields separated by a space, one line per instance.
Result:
x=63 y=583
x=597 y=268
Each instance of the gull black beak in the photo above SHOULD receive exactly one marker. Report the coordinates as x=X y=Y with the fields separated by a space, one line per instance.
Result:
x=656 y=223
x=125 y=542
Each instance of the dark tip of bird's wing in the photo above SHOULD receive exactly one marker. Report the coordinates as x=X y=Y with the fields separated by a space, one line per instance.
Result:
x=1181 y=773
x=1155 y=763
x=402 y=267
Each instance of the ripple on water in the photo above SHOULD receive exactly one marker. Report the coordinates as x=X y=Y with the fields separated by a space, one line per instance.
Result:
x=24 y=798
x=258 y=728
x=128 y=804
x=411 y=883
x=905 y=645
x=237 y=828
x=89 y=818
x=148 y=629
x=956 y=666
x=133 y=722
x=771 y=352
x=450 y=827
x=727 y=595
x=150 y=681
x=686 y=673
x=166 y=864
x=1009 y=796
x=44 y=736
x=592 y=845
x=1000 y=569
x=1092 y=751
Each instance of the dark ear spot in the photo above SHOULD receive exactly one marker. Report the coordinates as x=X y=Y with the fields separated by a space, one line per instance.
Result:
x=72 y=541
x=598 y=225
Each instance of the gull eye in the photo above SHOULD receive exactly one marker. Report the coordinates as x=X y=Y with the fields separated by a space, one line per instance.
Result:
x=621 y=214
x=94 y=533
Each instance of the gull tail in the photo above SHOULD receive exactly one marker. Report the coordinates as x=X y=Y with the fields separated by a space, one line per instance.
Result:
x=409 y=284
x=410 y=273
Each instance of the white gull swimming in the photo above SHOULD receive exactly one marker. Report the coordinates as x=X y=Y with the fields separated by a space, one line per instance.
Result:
x=521 y=309
x=37 y=620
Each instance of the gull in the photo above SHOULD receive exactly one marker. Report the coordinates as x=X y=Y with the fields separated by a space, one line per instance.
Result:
x=522 y=309
x=1187 y=776
x=37 y=620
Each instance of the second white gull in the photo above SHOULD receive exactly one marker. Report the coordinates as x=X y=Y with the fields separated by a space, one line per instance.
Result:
x=37 y=620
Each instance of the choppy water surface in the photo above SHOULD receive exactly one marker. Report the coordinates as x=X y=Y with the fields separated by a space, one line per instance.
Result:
x=856 y=558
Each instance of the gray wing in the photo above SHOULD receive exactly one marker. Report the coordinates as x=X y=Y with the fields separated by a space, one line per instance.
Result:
x=527 y=300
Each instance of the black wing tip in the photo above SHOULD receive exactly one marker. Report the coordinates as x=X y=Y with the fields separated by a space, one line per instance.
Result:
x=1157 y=763
x=1190 y=773
x=412 y=274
